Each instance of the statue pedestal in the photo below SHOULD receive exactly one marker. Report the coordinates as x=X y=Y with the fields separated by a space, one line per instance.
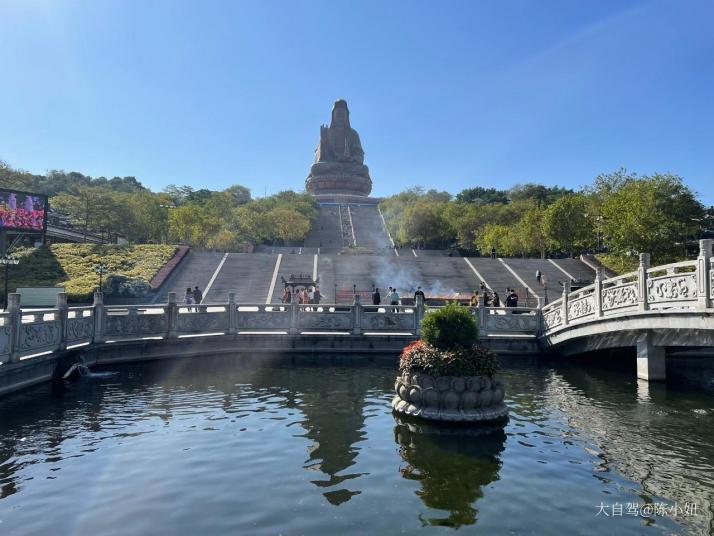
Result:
x=338 y=184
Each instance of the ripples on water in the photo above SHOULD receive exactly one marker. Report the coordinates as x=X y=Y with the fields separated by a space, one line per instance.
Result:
x=212 y=447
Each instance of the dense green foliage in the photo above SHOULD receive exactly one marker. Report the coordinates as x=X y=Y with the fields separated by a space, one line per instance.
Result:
x=622 y=213
x=423 y=357
x=450 y=327
x=72 y=266
x=226 y=219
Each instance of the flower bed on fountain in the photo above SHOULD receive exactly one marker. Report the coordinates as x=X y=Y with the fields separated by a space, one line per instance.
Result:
x=446 y=376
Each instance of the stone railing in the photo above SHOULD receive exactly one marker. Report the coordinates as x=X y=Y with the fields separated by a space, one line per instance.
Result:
x=687 y=285
x=25 y=334
x=680 y=286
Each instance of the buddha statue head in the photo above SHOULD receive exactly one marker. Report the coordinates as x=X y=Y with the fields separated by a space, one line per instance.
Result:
x=340 y=114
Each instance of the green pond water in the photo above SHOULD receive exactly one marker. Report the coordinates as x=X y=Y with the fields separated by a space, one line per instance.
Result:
x=217 y=446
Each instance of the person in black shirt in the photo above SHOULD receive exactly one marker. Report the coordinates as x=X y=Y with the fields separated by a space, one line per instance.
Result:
x=419 y=292
x=197 y=295
x=376 y=298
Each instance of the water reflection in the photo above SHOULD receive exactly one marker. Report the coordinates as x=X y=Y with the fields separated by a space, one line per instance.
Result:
x=452 y=464
x=334 y=422
x=266 y=445
x=645 y=432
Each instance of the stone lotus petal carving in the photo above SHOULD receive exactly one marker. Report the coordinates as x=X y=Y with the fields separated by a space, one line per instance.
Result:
x=39 y=336
x=580 y=307
x=672 y=288
x=450 y=398
x=217 y=321
x=619 y=296
x=553 y=318
x=135 y=325
x=81 y=328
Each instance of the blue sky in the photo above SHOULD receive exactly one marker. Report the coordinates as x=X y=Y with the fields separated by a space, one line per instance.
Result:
x=443 y=94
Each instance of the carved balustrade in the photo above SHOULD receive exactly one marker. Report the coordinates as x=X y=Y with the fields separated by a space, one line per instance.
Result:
x=510 y=321
x=682 y=285
x=672 y=285
x=25 y=334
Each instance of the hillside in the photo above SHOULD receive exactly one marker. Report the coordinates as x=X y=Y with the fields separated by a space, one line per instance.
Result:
x=73 y=266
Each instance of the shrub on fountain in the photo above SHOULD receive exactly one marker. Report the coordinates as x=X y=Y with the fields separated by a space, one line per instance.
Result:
x=446 y=375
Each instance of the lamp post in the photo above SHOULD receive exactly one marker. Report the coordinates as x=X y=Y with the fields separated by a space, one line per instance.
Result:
x=7 y=260
x=101 y=269
x=168 y=208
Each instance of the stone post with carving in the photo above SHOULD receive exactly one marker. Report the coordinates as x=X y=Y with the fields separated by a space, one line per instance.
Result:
x=356 y=315
x=172 y=313
x=419 y=314
x=704 y=278
x=62 y=312
x=482 y=314
x=15 y=319
x=232 y=324
x=642 y=282
x=597 y=292
x=293 y=317
x=99 y=318
x=566 y=297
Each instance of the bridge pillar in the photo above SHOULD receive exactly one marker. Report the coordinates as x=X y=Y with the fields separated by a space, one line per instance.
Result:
x=293 y=317
x=98 y=317
x=62 y=311
x=566 y=292
x=642 y=281
x=172 y=316
x=15 y=319
x=482 y=312
x=232 y=313
x=356 y=315
x=704 y=280
x=650 y=359
x=419 y=315
x=597 y=292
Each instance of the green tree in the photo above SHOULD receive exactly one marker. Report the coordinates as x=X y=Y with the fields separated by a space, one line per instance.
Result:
x=567 y=223
x=531 y=230
x=424 y=224
x=482 y=196
x=288 y=224
x=650 y=214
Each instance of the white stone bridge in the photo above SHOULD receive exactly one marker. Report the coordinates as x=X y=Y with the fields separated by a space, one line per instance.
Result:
x=652 y=309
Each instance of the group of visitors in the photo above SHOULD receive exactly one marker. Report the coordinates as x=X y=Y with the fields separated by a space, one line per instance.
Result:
x=303 y=296
x=492 y=299
x=193 y=297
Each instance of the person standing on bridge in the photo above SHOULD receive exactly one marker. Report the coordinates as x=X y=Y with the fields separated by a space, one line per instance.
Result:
x=539 y=276
x=496 y=300
x=316 y=296
x=419 y=292
x=394 y=300
x=188 y=297
x=376 y=298
x=287 y=296
x=197 y=295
